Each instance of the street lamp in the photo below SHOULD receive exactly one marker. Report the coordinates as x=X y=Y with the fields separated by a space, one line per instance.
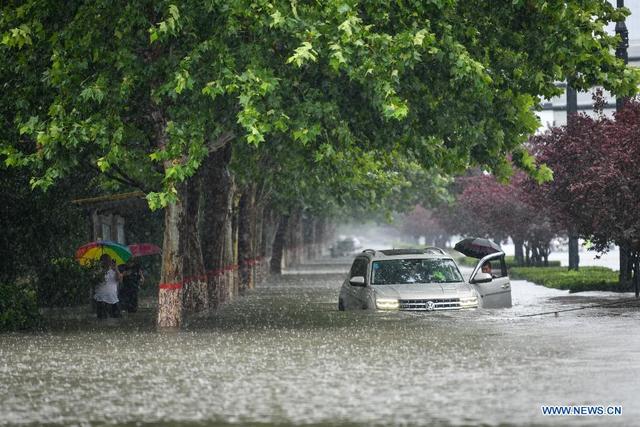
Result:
x=572 y=111
x=621 y=51
x=625 y=258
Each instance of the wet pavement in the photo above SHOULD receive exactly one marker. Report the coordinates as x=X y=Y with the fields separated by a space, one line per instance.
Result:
x=284 y=355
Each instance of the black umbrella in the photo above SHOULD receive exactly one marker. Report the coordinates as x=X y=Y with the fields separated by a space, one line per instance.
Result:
x=476 y=247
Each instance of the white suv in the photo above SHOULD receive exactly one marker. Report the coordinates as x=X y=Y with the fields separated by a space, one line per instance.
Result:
x=422 y=280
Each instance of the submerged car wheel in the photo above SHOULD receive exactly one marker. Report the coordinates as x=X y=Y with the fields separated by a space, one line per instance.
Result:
x=340 y=305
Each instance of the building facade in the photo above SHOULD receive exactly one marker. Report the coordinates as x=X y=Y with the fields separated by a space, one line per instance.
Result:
x=554 y=111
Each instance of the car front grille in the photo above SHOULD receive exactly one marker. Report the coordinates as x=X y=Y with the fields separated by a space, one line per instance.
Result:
x=424 y=305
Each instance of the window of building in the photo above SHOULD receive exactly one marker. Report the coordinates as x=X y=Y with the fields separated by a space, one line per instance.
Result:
x=106 y=231
x=120 y=232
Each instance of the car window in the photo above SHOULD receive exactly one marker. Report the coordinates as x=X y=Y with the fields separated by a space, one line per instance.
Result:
x=498 y=267
x=502 y=270
x=400 y=271
x=359 y=267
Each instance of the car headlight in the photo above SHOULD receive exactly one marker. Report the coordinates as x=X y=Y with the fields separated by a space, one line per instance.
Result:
x=469 y=302
x=387 y=303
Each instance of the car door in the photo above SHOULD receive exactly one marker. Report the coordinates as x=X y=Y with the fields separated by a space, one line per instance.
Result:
x=497 y=292
x=357 y=294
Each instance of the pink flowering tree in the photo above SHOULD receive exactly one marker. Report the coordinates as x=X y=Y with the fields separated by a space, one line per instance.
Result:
x=487 y=208
x=425 y=222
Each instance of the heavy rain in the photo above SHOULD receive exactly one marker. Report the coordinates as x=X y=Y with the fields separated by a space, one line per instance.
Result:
x=320 y=213
x=283 y=354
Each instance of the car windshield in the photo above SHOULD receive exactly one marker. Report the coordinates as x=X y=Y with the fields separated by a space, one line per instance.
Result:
x=399 y=271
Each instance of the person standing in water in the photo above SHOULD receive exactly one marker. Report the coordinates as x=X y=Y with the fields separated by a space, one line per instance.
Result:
x=106 y=294
x=131 y=281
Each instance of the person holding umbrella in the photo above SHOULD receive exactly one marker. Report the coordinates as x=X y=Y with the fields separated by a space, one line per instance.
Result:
x=487 y=268
x=106 y=294
x=132 y=279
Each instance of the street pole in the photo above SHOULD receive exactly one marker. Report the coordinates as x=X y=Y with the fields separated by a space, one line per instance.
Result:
x=572 y=110
x=621 y=51
x=627 y=262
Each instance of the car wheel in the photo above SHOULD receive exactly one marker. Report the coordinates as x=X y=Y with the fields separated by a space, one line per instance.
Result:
x=340 y=305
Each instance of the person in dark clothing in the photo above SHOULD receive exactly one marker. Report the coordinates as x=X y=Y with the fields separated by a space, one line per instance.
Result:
x=132 y=279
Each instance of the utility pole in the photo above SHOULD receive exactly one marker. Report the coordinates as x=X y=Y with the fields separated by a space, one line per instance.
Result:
x=628 y=263
x=572 y=111
x=621 y=51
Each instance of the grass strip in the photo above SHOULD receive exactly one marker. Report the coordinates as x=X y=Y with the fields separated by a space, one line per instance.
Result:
x=585 y=279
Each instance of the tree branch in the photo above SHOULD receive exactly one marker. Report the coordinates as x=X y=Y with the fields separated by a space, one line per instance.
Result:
x=132 y=181
x=122 y=178
x=220 y=142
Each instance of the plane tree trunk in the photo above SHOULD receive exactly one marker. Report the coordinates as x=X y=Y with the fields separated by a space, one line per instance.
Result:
x=196 y=296
x=184 y=279
x=294 y=240
x=246 y=237
x=270 y=224
x=259 y=254
x=170 y=294
x=183 y=282
x=175 y=243
x=215 y=224
x=309 y=237
x=321 y=234
x=279 y=245
x=232 y=269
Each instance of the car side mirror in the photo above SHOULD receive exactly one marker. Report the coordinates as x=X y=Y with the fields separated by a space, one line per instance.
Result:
x=481 y=277
x=357 y=281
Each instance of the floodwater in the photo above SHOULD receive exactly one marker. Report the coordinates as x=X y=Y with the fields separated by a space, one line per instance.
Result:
x=284 y=355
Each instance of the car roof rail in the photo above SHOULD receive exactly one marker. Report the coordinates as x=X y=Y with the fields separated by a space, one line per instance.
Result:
x=369 y=251
x=435 y=249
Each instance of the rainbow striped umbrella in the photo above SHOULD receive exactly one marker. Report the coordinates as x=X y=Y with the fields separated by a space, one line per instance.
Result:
x=93 y=251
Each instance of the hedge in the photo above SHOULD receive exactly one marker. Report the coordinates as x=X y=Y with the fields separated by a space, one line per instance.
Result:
x=585 y=279
x=18 y=307
x=62 y=282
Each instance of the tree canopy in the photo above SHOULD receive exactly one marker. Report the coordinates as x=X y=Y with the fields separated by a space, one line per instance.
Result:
x=144 y=91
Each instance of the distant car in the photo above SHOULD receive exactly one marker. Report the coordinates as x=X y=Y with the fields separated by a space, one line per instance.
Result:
x=345 y=246
x=422 y=280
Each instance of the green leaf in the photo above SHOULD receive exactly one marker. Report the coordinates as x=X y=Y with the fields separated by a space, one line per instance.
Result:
x=302 y=54
x=276 y=19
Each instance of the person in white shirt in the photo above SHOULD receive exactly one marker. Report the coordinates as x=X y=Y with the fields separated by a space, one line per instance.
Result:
x=106 y=294
x=486 y=268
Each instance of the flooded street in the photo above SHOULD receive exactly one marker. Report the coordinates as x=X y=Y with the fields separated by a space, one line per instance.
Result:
x=185 y=187
x=285 y=355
